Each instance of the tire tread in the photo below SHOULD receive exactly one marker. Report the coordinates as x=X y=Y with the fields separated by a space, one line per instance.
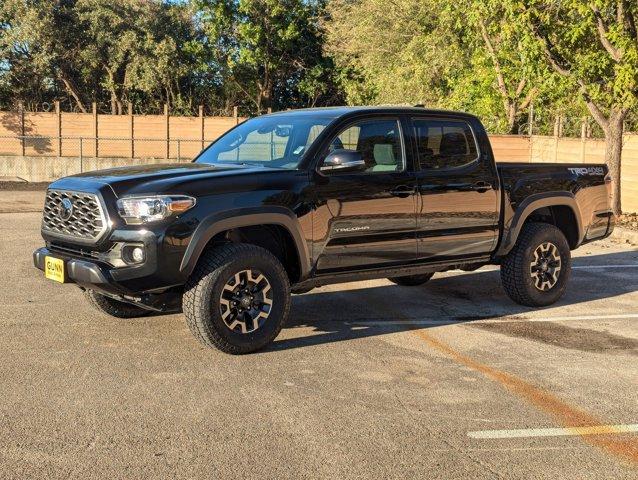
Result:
x=208 y=269
x=513 y=271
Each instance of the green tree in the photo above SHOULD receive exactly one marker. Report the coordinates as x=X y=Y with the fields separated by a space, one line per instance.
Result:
x=593 y=45
x=97 y=50
x=451 y=54
x=500 y=69
x=269 y=50
x=140 y=48
x=41 y=41
x=404 y=51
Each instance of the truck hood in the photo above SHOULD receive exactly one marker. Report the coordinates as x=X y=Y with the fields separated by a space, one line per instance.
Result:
x=188 y=178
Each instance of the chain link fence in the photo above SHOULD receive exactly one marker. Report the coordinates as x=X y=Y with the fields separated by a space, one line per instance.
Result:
x=180 y=149
x=42 y=158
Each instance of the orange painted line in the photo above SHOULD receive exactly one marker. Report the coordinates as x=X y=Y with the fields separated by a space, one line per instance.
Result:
x=564 y=414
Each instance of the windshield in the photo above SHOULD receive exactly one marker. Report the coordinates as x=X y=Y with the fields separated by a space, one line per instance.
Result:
x=278 y=141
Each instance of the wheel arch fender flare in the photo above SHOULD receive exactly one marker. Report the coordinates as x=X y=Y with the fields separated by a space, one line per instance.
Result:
x=245 y=217
x=532 y=203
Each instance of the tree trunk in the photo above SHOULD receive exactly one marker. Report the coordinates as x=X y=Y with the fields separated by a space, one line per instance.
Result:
x=266 y=98
x=114 y=98
x=113 y=103
x=68 y=84
x=265 y=91
x=511 y=119
x=613 y=155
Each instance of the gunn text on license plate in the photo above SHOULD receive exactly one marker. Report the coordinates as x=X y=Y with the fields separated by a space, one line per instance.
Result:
x=54 y=269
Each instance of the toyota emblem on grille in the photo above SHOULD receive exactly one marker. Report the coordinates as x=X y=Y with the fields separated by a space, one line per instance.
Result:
x=65 y=209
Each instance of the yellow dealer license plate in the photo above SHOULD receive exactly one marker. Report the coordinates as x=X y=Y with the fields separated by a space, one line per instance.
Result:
x=54 y=269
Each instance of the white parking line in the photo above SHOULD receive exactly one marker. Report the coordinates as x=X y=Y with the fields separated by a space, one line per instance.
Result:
x=491 y=319
x=555 y=432
x=493 y=268
x=601 y=267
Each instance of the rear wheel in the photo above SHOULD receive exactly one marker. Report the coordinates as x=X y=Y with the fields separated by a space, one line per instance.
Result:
x=536 y=271
x=237 y=299
x=411 y=280
x=113 y=307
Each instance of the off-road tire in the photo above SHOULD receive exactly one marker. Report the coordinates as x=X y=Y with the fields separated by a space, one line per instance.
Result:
x=113 y=307
x=515 y=267
x=203 y=289
x=412 y=280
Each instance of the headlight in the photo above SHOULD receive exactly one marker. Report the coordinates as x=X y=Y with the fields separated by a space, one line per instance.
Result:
x=138 y=210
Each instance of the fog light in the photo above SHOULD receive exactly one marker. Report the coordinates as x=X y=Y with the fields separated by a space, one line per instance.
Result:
x=137 y=254
x=133 y=254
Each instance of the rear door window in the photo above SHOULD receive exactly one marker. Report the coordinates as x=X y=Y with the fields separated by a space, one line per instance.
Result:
x=444 y=144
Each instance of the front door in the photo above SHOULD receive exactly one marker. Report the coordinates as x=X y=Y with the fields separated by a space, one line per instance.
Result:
x=366 y=218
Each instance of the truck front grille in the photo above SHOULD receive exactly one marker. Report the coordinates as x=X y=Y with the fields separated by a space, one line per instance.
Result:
x=73 y=215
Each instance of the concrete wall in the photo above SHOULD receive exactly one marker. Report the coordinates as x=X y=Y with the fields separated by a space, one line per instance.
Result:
x=46 y=169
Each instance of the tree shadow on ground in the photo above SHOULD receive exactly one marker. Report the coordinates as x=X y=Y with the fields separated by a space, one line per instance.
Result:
x=356 y=311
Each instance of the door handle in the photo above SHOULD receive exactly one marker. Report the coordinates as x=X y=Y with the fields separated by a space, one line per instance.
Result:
x=402 y=191
x=481 y=186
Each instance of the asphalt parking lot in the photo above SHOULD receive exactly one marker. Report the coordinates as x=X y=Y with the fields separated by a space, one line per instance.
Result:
x=369 y=380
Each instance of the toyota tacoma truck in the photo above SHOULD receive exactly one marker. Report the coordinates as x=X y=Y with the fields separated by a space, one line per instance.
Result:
x=286 y=202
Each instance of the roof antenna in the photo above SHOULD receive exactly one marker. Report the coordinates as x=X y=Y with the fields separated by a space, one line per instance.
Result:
x=419 y=105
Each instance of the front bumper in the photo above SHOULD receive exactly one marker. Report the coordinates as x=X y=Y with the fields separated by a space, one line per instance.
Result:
x=147 y=284
x=79 y=271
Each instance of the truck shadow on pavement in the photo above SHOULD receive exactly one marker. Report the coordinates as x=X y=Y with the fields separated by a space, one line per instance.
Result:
x=357 y=310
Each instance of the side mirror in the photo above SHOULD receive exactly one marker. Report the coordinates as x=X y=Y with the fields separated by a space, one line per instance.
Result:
x=342 y=160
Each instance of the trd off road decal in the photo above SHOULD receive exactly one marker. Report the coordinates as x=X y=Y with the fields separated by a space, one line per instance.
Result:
x=587 y=171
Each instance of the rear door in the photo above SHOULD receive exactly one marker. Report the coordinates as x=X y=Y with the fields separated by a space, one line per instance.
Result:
x=457 y=215
x=366 y=218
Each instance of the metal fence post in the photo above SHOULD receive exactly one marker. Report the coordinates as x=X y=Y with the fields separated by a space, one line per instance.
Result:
x=22 y=129
x=96 y=132
x=58 y=114
x=531 y=119
x=179 y=156
x=81 y=156
x=168 y=131
x=201 y=120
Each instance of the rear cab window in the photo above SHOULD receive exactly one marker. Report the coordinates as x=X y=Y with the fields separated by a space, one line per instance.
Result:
x=444 y=144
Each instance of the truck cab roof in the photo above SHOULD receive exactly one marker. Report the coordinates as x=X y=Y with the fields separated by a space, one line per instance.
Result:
x=343 y=111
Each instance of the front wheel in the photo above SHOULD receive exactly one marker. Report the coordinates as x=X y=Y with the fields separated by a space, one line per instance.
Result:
x=535 y=272
x=237 y=299
x=113 y=307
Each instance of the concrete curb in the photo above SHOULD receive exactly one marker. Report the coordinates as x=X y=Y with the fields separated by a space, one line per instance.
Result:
x=624 y=235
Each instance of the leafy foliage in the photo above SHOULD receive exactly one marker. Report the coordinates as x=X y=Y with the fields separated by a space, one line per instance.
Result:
x=255 y=54
x=404 y=54
x=495 y=58
x=594 y=46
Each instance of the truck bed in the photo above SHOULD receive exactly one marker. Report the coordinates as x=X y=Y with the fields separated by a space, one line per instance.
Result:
x=589 y=185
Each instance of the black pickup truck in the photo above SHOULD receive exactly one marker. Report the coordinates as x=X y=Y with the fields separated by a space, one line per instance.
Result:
x=289 y=201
